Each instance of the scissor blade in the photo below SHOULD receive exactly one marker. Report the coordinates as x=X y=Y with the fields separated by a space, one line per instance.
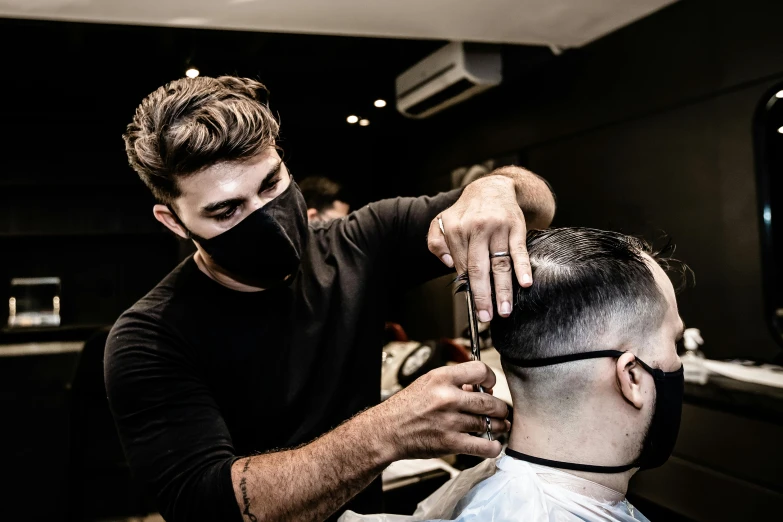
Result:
x=474 y=342
x=473 y=324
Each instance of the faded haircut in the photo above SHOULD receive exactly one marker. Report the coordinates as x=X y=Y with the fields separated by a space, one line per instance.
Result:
x=193 y=123
x=589 y=287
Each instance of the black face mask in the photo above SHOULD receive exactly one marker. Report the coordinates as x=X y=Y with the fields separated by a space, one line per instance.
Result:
x=664 y=427
x=266 y=246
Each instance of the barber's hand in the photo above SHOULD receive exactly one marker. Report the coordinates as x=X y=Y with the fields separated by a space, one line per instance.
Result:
x=434 y=416
x=485 y=220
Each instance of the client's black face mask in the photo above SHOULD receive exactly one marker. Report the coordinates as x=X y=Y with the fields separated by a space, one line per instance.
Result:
x=664 y=427
x=266 y=246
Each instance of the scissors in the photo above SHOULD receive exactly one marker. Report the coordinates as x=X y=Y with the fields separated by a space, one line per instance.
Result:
x=475 y=351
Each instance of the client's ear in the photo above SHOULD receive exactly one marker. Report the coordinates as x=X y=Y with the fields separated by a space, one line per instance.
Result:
x=629 y=377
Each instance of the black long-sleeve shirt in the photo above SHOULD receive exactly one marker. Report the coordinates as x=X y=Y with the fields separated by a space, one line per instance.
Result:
x=199 y=375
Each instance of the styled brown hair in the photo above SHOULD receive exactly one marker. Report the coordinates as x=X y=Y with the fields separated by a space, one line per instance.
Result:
x=190 y=124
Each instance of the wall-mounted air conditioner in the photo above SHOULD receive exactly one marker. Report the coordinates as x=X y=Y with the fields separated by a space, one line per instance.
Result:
x=449 y=75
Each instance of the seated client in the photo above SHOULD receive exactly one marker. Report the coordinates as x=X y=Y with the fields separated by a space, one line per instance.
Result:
x=590 y=354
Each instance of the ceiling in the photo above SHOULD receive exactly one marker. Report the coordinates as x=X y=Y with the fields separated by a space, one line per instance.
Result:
x=563 y=23
x=78 y=85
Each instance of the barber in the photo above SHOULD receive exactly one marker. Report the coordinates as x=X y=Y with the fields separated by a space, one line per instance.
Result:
x=245 y=385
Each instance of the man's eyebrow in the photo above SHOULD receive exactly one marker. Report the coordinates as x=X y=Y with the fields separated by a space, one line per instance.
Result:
x=222 y=204
x=271 y=174
x=232 y=202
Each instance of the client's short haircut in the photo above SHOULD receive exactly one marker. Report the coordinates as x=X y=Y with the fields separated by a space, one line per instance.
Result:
x=320 y=193
x=588 y=285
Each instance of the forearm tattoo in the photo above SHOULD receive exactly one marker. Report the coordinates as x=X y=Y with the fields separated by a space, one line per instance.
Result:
x=245 y=499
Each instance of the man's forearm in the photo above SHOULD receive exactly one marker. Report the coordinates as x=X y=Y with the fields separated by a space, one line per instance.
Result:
x=433 y=416
x=534 y=195
x=314 y=480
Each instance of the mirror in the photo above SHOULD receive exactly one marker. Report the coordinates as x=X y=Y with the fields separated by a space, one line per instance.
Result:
x=768 y=144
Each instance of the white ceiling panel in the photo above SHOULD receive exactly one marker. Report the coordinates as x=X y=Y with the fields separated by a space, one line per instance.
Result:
x=565 y=23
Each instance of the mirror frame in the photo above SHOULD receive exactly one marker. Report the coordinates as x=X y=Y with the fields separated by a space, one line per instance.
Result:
x=767 y=121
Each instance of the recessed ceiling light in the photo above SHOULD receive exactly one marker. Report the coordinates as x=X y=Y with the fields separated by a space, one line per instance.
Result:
x=779 y=94
x=192 y=72
x=352 y=119
x=365 y=123
x=382 y=103
x=780 y=130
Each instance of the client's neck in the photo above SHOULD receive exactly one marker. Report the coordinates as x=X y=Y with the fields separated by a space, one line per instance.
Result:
x=580 y=440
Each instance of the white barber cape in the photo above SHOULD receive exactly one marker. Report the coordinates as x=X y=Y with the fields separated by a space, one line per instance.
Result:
x=505 y=490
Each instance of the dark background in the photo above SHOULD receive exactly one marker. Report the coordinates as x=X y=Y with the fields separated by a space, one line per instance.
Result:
x=69 y=204
x=646 y=130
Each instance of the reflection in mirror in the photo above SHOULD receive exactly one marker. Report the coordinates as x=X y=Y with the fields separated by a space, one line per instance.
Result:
x=768 y=143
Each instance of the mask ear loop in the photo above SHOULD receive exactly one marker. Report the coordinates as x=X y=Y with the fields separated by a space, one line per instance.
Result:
x=657 y=373
x=560 y=359
x=179 y=222
x=644 y=365
x=174 y=213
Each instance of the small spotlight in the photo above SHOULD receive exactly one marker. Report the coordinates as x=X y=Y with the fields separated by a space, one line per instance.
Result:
x=382 y=103
x=365 y=123
x=779 y=94
x=352 y=119
x=780 y=130
x=192 y=72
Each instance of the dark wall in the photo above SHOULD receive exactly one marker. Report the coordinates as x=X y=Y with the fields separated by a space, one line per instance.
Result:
x=646 y=130
x=69 y=204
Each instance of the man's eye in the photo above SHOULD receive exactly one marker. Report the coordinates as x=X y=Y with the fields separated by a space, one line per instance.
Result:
x=226 y=214
x=272 y=184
